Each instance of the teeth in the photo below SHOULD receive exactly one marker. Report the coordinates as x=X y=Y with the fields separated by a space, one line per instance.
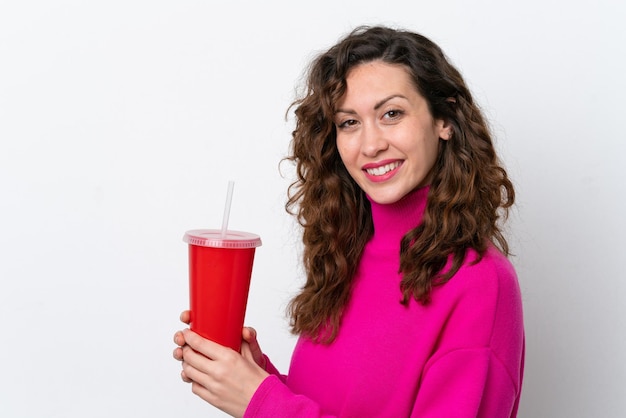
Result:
x=379 y=171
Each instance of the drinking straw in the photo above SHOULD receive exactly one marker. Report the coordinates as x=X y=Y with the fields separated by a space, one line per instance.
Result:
x=229 y=199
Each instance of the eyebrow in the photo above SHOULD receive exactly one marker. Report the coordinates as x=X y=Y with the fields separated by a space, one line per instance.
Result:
x=376 y=106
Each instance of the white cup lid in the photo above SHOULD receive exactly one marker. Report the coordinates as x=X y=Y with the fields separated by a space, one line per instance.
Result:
x=213 y=238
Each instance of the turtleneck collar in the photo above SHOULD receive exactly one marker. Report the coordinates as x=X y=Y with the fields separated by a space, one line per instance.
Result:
x=393 y=221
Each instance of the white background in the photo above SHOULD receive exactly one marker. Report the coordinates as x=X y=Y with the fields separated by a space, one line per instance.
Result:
x=121 y=123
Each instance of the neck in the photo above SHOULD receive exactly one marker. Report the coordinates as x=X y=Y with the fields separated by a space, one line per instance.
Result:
x=394 y=220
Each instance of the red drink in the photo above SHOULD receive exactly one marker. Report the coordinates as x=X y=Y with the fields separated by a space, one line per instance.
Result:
x=219 y=280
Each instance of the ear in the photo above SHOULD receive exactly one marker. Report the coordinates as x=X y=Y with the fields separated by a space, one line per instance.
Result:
x=444 y=129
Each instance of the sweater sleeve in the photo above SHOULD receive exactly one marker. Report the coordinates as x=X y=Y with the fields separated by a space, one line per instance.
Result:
x=466 y=383
x=273 y=399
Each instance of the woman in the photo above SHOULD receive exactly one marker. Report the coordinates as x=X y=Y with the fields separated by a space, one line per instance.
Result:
x=410 y=306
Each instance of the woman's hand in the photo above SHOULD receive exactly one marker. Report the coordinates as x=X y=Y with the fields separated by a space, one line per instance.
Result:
x=220 y=375
x=179 y=339
x=250 y=347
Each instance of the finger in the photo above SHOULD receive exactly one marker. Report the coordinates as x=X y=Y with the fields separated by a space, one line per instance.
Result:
x=246 y=352
x=184 y=377
x=250 y=348
x=196 y=367
x=179 y=338
x=192 y=357
x=185 y=316
x=191 y=365
x=199 y=390
x=196 y=364
x=248 y=334
x=208 y=348
x=178 y=353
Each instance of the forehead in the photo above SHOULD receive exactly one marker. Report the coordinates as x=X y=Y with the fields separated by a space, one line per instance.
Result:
x=378 y=66
x=377 y=77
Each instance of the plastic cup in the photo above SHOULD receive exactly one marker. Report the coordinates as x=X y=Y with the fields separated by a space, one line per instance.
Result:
x=220 y=268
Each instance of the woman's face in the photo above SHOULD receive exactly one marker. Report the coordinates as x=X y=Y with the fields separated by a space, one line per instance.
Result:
x=386 y=136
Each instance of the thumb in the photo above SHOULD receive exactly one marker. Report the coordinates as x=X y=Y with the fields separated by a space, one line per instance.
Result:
x=251 y=349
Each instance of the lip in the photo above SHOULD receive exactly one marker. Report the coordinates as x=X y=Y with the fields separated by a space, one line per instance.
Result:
x=383 y=177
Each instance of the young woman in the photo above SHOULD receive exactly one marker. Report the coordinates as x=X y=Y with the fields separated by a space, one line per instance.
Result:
x=410 y=307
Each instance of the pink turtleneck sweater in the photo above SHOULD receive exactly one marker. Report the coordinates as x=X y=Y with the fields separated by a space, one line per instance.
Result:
x=462 y=355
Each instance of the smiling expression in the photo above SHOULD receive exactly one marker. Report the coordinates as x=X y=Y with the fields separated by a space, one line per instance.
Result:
x=386 y=135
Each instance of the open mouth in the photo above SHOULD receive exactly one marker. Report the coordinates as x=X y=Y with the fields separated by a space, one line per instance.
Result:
x=383 y=169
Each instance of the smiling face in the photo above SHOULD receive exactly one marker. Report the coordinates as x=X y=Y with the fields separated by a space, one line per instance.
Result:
x=386 y=136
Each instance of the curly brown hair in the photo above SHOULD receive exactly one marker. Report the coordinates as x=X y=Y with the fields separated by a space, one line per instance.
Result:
x=468 y=194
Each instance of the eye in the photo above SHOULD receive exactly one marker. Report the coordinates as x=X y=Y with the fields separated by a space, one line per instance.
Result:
x=393 y=114
x=348 y=123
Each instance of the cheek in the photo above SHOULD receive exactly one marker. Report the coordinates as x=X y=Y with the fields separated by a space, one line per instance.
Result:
x=344 y=152
x=349 y=160
x=432 y=155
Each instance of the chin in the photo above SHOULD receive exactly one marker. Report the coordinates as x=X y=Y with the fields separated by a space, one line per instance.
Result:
x=385 y=199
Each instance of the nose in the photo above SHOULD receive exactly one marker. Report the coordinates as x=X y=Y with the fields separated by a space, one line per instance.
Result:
x=373 y=140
